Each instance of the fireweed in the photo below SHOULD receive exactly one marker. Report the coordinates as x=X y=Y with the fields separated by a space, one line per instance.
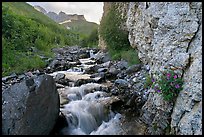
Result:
x=169 y=84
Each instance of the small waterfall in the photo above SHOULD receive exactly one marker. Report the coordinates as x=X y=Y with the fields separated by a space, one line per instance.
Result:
x=88 y=112
x=85 y=112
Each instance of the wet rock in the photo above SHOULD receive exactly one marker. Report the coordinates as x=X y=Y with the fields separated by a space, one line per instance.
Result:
x=64 y=82
x=131 y=102
x=59 y=85
x=9 y=77
x=30 y=107
x=59 y=125
x=102 y=70
x=133 y=68
x=29 y=74
x=59 y=76
x=122 y=65
x=36 y=72
x=113 y=70
x=80 y=82
x=101 y=57
x=98 y=77
x=73 y=52
x=121 y=83
x=54 y=64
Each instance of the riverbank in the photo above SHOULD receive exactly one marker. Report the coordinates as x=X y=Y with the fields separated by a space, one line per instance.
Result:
x=121 y=85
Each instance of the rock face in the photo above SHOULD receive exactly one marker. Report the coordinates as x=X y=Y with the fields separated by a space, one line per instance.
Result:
x=40 y=9
x=30 y=107
x=169 y=35
x=166 y=35
x=61 y=17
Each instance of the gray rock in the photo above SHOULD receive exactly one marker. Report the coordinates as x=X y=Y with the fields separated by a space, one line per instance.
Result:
x=133 y=68
x=113 y=70
x=170 y=35
x=122 y=65
x=121 y=83
x=54 y=64
x=30 y=107
x=22 y=76
x=59 y=85
x=102 y=57
x=59 y=76
x=102 y=70
x=13 y=75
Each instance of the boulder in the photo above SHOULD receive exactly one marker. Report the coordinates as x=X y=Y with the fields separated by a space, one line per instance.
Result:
x=133 y=68
x=59 y=76
x=30 y=107
x=121 y=83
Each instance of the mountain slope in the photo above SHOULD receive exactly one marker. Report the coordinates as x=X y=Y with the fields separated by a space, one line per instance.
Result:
x=74 y=22
x=81 y=26
x=28 y=34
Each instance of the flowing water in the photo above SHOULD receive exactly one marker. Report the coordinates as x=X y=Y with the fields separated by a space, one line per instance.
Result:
x=88 y=112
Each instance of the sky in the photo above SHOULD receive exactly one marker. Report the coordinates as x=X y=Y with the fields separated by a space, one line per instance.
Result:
x=92 y=11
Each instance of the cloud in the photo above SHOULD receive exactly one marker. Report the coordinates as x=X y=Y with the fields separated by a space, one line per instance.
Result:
x=92 y=11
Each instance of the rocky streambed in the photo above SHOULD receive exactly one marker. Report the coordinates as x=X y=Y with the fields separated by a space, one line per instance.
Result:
x=81 y=91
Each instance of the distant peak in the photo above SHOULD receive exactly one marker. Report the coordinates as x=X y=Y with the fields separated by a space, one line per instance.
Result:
x=40 y=9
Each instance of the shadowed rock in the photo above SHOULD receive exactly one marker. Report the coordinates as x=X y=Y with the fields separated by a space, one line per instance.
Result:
x=30 y=107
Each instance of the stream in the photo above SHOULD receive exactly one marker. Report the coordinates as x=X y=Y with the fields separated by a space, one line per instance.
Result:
x=98 y=96
x=88 y=111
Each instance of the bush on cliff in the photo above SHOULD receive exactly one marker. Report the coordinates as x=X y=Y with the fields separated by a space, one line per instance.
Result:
x=117 y=38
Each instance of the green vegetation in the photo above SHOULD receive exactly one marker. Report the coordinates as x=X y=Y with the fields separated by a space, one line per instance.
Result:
x=169 y=84
x=24 y=28
x=148 y=81
x=90 y=40
x=81 y=26
x=87 y=31
x=129 y=55
x=116 y=38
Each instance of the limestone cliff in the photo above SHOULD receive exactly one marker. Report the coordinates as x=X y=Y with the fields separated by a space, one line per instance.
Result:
x=169 y=35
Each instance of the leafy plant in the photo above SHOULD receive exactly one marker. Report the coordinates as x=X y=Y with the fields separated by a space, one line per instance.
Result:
x=24 y=28
x=116 y=37
x=148 y=81
x=110 y=29
x=168 y=84
x=91 y=40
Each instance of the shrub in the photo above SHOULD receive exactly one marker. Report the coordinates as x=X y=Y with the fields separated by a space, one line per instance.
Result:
x=116 y=37
x=24 y=28
x=169 y=84
x=110 y=29
x=148 y=81
x=130 y=56
x=91 y=40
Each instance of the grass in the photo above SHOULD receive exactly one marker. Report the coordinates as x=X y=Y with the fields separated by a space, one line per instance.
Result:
x=81 y=26
x=24 y=28
x=129 y=55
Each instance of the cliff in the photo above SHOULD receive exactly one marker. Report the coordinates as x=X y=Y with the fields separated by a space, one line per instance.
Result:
x=168 y=35
x=40 y=9
x=61 y=17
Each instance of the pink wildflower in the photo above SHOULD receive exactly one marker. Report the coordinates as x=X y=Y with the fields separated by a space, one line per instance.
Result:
x=168 y=75
x=177 y=86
